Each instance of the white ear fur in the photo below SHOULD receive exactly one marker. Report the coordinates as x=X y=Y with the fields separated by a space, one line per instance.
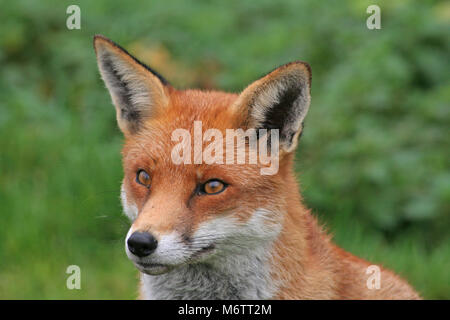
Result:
x=136 y=90
x=279 y=100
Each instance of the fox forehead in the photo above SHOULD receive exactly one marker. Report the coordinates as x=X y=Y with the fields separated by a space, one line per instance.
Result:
x=152 y=147
x=212 y=108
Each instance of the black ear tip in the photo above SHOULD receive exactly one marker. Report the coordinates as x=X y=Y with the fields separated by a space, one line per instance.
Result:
x=97 y=38
x=299 y=67
x=101 y=38
x=305 y=68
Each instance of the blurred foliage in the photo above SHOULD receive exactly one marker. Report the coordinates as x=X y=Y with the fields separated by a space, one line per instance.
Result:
x=373 y=161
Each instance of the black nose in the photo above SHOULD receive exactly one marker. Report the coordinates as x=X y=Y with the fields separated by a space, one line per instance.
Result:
x=142 y=244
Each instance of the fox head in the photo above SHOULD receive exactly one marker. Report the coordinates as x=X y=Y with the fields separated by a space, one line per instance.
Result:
x=197 y=212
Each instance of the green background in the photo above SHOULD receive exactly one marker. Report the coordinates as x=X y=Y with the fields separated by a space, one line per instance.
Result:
x=373 y=161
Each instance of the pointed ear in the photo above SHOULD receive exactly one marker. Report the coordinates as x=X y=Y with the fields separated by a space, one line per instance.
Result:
x=137 y=91
x=279 y=100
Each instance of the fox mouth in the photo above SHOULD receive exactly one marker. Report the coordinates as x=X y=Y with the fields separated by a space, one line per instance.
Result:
x=158 y=268
x=152 y=268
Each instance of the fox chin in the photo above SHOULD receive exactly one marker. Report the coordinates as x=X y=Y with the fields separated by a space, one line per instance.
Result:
x=207 y=223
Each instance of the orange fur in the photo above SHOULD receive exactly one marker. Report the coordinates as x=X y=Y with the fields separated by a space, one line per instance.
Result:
x=306 y=261
x=312 y=267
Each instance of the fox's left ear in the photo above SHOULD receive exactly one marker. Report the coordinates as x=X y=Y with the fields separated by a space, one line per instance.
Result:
x=137 y=91
x=279 y=100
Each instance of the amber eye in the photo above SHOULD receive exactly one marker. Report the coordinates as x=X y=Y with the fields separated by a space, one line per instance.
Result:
x=213 y=187
x=143 y=178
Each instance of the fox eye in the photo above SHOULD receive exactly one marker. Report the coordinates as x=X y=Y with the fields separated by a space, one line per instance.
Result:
x=142 y=177
x=213 y=187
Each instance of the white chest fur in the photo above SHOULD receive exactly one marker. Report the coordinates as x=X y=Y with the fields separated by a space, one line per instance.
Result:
x=246 y=276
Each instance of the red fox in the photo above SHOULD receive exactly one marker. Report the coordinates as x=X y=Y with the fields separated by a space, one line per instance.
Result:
x=221 y=229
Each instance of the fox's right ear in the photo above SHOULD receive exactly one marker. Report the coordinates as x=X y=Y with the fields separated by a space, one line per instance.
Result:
x=137 y=91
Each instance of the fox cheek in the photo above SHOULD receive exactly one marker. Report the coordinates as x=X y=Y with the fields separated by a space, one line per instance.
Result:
x=129 y=208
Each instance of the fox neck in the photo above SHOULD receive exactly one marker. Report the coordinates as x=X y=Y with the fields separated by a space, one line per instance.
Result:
x=305 y=264
x=241 y=276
